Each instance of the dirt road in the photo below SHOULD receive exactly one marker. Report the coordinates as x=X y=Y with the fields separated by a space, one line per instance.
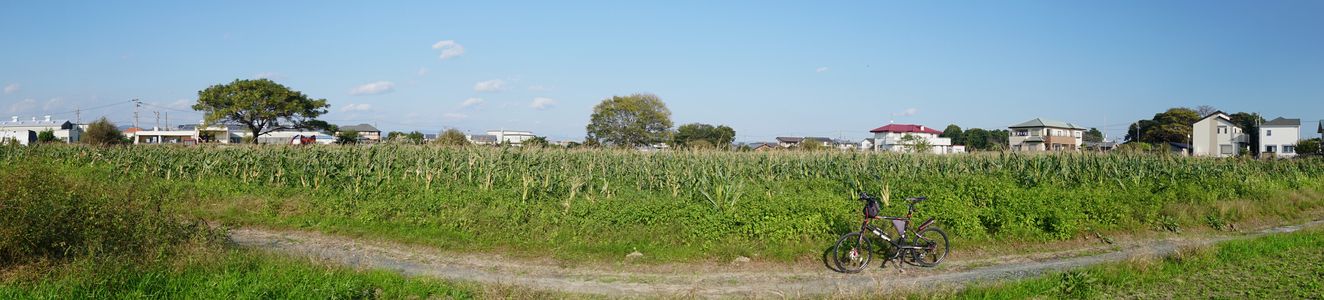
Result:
x=717 y=280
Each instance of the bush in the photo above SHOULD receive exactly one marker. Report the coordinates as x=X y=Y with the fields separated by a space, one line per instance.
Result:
x=102 y=132
x=47 y=216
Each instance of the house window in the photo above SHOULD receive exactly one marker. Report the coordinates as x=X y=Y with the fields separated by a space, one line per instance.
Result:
x=1270 y=149
x=1222 y=129
x=1225 y=149
x=1289 y=149
x=1268 y=132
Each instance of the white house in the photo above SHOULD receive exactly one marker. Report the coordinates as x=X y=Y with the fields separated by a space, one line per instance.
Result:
x=64 y=130
x=1278 y=137
x=159 y=136
x=1045 y=135
x=1216 y=135
x=512 y=137
x=889 y=138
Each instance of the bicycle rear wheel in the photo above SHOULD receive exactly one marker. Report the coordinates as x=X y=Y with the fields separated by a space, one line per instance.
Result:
x=933 y=247
x=852 y=253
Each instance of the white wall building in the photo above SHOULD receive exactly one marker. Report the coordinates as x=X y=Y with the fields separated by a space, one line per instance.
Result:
x=64 y=130
x=513 y=137
x=1278 y=137
x=1215 y=135
x=22 y=137
x=889 y=138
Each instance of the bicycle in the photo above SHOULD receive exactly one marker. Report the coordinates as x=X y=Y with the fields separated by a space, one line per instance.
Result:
x=926 y=246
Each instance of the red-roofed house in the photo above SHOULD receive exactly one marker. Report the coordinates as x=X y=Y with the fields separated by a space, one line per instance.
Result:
x=888 y=138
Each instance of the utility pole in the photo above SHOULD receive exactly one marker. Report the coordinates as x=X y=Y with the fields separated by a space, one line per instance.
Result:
x=158 y=120
x=78 y=115
x=136 y=104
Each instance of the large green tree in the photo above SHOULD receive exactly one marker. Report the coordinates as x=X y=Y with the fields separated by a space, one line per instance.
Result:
x=1093 y=135
x=634 y=120
x=262 y=106
x=976 y=139
x=1250 y=125
x=954 y=132
x=1173 y=125
x=719 y=136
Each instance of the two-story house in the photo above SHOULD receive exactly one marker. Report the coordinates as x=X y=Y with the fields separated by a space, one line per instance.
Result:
x=367 y=133
x=1278 y=137
x=1216 y=135
x=893 y=138
x=1045 y=135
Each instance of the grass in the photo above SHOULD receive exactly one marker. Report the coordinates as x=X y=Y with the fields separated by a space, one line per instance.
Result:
x=1280 y=266
x=595 y=205
x=63 y=236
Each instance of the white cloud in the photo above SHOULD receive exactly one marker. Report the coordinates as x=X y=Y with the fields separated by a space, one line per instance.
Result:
x=542 y=103
x=906 y=113
x=357 y=107
x=423 y=71
x=375 y=88
x=821 y=70
x=53 y=104
x=471 y=102
x=22 y=106
x=454 y=116
x=494 y=85
x=449 y=48
x=11 y=88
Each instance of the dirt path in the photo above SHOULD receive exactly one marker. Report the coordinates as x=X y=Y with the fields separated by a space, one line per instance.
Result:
x=698 y=281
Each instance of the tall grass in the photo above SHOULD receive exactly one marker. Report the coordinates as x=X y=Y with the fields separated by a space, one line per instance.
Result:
x=693 y=203
x=71 y=232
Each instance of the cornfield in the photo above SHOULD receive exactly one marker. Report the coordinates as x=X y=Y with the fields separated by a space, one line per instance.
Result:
x=702 y=197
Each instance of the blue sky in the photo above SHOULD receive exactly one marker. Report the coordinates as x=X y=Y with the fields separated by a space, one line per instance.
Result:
x=766 y=68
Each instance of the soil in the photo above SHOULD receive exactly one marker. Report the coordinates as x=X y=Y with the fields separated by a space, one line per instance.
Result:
x=705 y=279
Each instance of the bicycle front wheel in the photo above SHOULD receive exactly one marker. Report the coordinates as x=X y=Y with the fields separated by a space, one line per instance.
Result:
x=852 y=253
x=932 y=243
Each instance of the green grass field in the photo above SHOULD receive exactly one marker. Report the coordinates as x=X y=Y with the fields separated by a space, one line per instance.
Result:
x=1281 y=266
x=66 y=237
x=597 y=205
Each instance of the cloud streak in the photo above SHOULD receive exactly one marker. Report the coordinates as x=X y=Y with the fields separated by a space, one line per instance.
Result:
x=449 y=49
x=12 y=87
x=906 y=113
x=375 y=88
x=472 y=102
x=494 y=85
x=821 y=70
x=357 y=107
x=542 y=103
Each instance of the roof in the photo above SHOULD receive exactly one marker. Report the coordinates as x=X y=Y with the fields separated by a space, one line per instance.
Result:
x=1039 y=122
x=360 y=128
x=63 y=124
x=1280 y=121
x=905 y=128
x=1220 y=115
x=789 y=139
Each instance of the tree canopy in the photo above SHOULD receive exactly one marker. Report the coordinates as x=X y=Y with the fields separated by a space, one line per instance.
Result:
x=452 y=137
x=954 y=132
x=704 y=136
x=1173 y=125
x=1093 y=135
x=261 y=105
x=634 y=120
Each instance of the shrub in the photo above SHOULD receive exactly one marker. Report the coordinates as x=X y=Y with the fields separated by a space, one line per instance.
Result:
x=102 y=132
